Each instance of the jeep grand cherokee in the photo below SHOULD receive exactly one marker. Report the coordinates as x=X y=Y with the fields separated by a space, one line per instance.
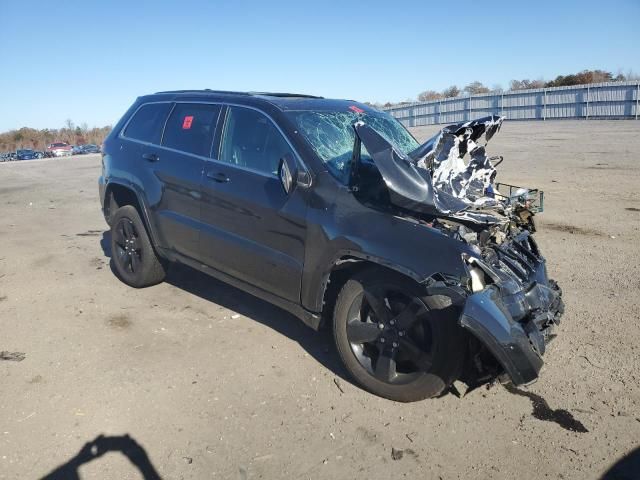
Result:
x=420 y=263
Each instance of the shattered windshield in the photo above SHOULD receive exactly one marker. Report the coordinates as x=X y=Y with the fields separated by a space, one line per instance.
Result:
x=332 y=136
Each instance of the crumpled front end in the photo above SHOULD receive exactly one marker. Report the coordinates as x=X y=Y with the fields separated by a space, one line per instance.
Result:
x=514 y=307
x=507 y=302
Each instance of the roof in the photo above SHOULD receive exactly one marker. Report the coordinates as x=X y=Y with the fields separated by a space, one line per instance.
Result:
x=283 y=101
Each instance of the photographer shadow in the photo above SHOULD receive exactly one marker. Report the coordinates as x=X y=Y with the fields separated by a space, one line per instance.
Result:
x=97 y=448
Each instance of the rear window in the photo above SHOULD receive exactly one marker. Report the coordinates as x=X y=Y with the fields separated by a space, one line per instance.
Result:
x=191 y=127
x=146 y=124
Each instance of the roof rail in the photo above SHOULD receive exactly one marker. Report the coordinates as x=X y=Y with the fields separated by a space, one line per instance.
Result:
x=284 y=95
x=205 y=90
x=261 y=94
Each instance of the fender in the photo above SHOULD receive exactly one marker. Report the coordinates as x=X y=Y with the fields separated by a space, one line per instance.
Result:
x=141 y=202
x=348 y=256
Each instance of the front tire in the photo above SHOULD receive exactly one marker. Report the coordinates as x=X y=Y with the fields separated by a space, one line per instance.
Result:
x=396 y=342
x=134 y=258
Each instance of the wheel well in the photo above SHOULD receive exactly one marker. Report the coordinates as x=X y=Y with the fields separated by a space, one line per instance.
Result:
x=344 y=269
x=118 y=196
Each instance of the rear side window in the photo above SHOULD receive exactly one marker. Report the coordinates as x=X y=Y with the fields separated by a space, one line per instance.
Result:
x=191 y=127
x=146 y=124
x=252 y=141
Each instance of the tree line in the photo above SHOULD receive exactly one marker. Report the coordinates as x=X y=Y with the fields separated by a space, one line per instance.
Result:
x=477 y=88
x=35 y=139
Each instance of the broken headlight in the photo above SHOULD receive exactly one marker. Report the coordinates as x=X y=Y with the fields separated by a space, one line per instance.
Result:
x=478 y=279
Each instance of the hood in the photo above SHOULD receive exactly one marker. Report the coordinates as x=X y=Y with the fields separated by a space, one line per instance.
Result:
x=444 y=154
x=434 y=178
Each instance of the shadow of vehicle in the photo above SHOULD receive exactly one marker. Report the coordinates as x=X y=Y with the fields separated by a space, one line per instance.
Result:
x=97 y=448
x=627 y=468
x=318 y=344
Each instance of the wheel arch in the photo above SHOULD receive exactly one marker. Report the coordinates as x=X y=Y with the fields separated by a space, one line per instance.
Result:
x=344 y=267
x=117 y=195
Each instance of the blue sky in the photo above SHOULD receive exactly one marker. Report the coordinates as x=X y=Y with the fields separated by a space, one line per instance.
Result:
x=89 y=60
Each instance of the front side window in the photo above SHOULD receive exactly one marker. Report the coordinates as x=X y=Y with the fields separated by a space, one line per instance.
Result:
x=331 y=135
x=252 y=141
x=146 y=124
x=191 y=127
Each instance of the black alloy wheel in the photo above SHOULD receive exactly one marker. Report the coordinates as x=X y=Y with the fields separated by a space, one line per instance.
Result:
x=394 y=340
x=389 y=334
x=135 y=261
x=127 y=253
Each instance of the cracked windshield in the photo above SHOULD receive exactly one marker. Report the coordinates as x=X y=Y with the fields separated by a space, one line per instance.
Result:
x=331 y=135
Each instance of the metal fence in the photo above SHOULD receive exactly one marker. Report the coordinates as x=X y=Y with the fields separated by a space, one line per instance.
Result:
x=618 y=100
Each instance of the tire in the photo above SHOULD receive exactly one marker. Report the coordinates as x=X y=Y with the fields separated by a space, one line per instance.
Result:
x=134 y=259
x=419 y=374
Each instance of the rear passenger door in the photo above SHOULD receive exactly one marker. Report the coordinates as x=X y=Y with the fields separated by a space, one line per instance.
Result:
x=252 y=229
x=177 y=165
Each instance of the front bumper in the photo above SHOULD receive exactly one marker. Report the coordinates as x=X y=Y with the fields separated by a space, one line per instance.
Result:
x=514 y=316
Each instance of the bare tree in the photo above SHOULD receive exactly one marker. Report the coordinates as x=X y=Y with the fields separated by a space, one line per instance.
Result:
x=41 y=138
x=476 y=88
x=451 y=92
x=428 y=95
x=525 y=84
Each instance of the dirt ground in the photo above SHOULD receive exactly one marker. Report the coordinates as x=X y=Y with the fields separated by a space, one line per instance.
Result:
x=209 y=382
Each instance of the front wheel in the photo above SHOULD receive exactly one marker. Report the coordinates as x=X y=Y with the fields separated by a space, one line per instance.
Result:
x=136 y=262
x=395 y=341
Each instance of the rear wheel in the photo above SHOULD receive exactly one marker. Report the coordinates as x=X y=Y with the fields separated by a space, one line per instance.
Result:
x=134 y=258
x=395 y=341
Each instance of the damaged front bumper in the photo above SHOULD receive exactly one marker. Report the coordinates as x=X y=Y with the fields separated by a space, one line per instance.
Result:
x=515 y=314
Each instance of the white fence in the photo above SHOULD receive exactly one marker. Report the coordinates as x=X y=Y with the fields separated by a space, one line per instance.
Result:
x=619 y=100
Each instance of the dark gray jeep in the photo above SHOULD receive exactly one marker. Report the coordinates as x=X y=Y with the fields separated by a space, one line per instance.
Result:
x=424 y=267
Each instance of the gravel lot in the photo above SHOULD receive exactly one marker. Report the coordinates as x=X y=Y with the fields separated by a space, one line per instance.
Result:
x=210 y=382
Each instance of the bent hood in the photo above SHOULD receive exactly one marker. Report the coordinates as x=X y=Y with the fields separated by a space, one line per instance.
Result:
x=444 y=155
x=434 y=179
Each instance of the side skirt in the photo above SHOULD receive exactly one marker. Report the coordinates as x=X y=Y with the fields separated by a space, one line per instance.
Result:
x=311 y=319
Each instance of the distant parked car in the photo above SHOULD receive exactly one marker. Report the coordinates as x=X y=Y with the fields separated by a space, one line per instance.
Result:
x=38 y=154
x=25 y=154
x=91 y=148
x=60 y=149
x=77 y=149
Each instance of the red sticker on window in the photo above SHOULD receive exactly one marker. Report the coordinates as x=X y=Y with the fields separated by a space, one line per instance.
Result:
x=186 y=123
x=353 y=108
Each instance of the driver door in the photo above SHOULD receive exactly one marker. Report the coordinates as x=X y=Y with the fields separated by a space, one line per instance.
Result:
x=252 y=229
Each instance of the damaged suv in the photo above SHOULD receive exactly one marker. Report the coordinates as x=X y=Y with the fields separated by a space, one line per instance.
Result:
x=422 y=265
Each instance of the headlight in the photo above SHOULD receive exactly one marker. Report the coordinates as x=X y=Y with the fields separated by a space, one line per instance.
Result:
x=477 y=275
x=477 y=279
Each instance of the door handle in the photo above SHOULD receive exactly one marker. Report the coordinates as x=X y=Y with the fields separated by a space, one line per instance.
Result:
x=150 y=157
x=218 y=177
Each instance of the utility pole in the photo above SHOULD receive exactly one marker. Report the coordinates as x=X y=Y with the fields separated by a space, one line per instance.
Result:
x=587 y=112
x=637 y=98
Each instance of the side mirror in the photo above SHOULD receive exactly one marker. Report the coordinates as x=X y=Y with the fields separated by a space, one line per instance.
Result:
x=286 y=170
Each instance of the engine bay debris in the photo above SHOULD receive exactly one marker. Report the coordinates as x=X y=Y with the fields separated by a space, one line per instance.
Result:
x=435 y=179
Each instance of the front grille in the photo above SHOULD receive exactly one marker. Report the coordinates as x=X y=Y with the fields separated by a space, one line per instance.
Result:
x=518 y=257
